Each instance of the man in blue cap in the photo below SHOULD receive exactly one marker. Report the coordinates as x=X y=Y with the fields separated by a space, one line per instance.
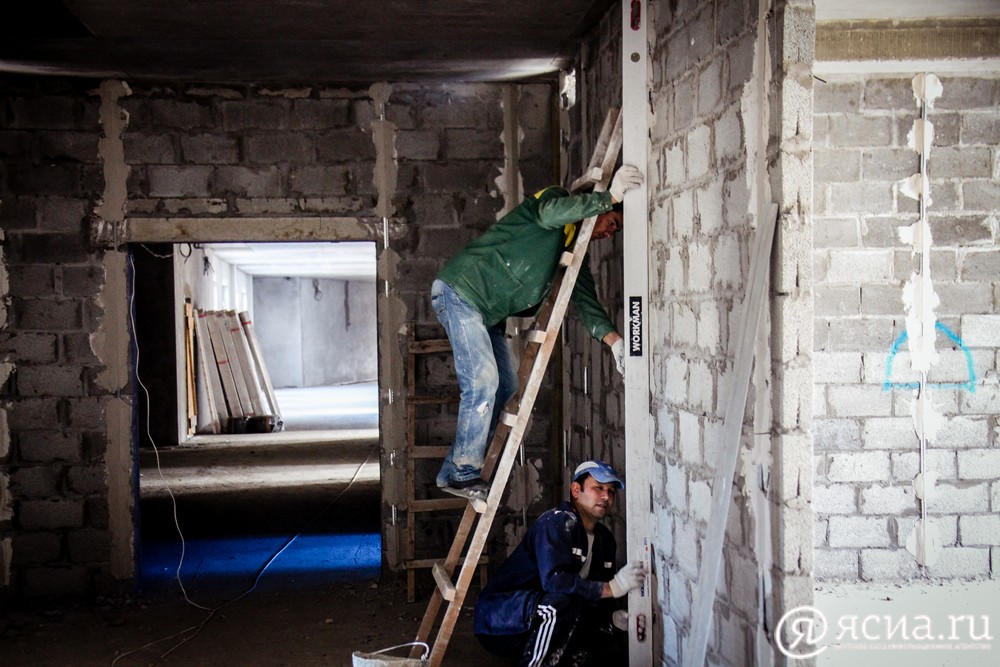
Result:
x=552 y=601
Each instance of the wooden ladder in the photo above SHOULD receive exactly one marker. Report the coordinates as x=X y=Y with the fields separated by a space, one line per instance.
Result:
x=514 y=421
x=418 y=507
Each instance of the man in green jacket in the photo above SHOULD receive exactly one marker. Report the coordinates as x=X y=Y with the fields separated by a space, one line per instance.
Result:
x=506 y=272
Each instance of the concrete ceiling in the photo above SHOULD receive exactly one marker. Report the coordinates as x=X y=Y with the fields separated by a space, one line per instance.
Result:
x=288 y=41
x=334 y=41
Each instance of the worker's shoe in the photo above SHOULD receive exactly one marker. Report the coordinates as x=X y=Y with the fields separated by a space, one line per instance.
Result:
x=473 y=489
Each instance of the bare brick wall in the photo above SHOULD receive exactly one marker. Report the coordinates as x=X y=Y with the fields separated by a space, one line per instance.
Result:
x=700 y=233
x=596 y=424
x=867 y=453
x=247 y=151
x=730 y=131
x=211 y=151
x=50 y=180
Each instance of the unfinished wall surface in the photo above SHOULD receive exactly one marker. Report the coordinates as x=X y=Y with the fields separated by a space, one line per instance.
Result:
x=55 y=520
x=595 y=424
x=515 y=146
x=730 y=132
x=305 y=152
x=702 y=220
x=867 y=451
x=218 y=158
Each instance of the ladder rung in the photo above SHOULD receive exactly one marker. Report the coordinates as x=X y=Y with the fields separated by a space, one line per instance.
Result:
x=424 y=563
x=432 y=400
x=443 y=582
x=430 y=346
x=536 y=336
x=593 y=176
x=429 y=452
x=437 y=504
x=532 y=365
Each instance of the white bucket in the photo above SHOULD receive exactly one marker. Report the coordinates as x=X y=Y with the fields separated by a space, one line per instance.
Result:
x=380 y=659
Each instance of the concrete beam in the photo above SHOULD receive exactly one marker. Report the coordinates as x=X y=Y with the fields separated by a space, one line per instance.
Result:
x=206 y=230
x=912 y=40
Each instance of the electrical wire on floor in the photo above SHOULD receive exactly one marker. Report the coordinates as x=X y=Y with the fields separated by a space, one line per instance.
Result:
x=191 y=632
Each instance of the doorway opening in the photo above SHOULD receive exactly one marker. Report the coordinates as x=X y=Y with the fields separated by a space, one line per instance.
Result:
x=293 y=505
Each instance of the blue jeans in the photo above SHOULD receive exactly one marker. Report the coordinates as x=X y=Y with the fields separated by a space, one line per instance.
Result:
x=486 y=377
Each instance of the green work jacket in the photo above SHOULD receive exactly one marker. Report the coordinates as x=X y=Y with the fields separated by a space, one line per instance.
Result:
x=509 y=269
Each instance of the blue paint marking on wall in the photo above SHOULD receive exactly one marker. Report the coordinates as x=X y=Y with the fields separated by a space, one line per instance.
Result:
x=969 y=385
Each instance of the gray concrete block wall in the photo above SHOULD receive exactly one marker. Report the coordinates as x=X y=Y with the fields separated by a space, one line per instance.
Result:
x=709 y=163
x=866 y=448
x=246 y=151
x=55 y=520
x=221 y=151
x=595 y=427
x=696 y=262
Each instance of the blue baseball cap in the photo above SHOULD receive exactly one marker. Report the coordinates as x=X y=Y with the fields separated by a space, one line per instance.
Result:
x=600 y=471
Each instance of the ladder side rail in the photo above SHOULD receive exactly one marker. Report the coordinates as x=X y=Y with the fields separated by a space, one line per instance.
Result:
x=502 y=474
x=451 y=560
x=536 y=359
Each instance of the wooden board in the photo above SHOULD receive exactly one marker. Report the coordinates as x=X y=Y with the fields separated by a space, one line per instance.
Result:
x=225 y=370
x=247 y=364
x=258 y=358
x=209 y=375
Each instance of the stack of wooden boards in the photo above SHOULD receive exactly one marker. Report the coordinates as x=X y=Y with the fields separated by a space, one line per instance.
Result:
x=228 y=386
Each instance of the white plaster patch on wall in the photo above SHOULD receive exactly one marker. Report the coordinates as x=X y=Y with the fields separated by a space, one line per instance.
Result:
x=752 y=112
x=5 y=557
x=525 y=488
x=110 y=340
x=4 y=283
x=386 y=163
x=920 y=300
x=6 y=502
x=510 y=181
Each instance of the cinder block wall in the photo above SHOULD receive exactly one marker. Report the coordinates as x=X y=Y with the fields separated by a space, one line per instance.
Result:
x=729 y=128
x=226 y=152
x=54 y=535
x=701 y=227
x=596 y=424
x=867 y=452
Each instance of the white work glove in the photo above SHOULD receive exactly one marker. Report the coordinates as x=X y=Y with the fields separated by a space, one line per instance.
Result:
x=618 y=350
x=629 y=577
x=626 y=178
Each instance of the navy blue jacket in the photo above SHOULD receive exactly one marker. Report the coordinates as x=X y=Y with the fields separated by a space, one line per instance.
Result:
x=547 y=561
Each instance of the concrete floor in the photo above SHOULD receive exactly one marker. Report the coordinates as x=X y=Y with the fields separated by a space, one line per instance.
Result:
x=341 y=407
x=228 y=505
x=315 y=499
